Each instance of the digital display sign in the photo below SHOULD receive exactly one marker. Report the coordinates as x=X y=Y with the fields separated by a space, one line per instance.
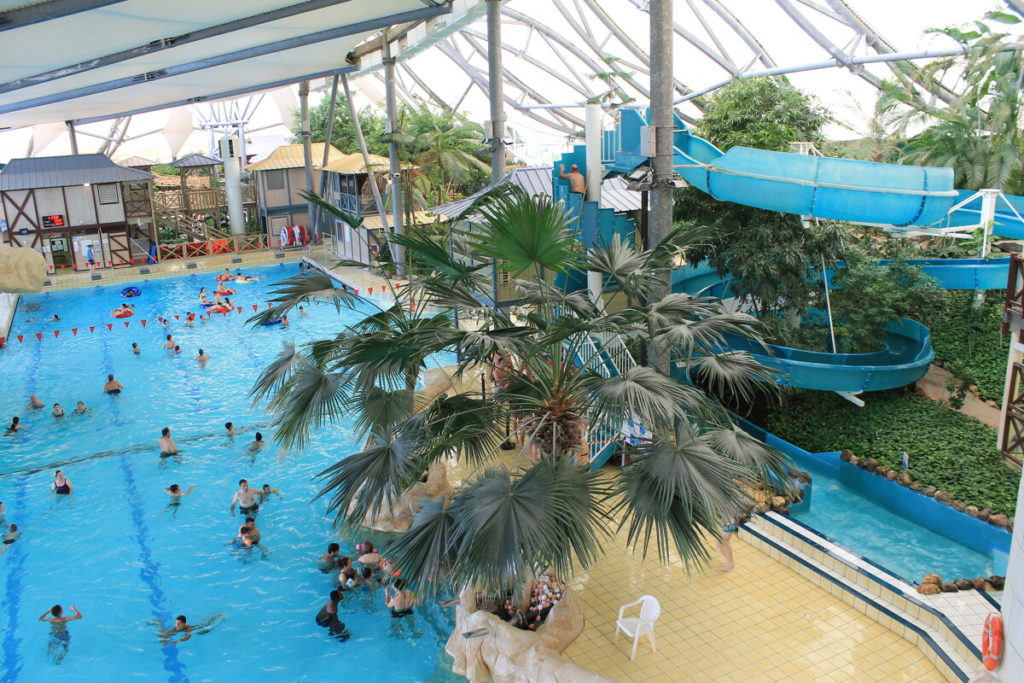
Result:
x=54 y=221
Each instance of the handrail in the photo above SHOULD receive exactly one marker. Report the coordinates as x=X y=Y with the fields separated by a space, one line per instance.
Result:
x=226 y=245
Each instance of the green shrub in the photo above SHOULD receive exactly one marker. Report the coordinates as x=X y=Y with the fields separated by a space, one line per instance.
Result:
x=947 y=450
x=968 y=341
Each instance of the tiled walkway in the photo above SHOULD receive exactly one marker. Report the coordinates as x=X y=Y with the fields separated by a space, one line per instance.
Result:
x=759 y=622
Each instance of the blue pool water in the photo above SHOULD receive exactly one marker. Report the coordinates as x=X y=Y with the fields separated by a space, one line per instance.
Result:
x=118 y=552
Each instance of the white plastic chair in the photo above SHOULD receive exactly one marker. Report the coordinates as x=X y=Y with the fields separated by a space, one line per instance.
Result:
x=634 y=627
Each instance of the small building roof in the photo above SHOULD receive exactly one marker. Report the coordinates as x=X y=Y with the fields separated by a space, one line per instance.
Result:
x=373 y=221
x=353 y=163
x=66 y=171
x=195 y=161
x=137 y=162
x=292 y=156
x=537 y=180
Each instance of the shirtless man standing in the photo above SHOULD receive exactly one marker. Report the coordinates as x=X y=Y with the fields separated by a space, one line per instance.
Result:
x=167 y=445
x=577 y=183
x=112 y=386
x=245 y=497
x=169 y=344
x=60 y=639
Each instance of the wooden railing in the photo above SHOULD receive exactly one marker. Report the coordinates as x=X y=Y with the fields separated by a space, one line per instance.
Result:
x=198 y=200
x=227 y=245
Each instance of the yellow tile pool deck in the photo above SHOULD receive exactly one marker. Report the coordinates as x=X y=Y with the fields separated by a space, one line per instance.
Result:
x=759 y=622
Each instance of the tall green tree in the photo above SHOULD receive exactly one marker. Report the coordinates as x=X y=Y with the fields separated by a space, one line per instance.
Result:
x=505 y=521
x=979 y=134
x=769 y=255
x=343 y=133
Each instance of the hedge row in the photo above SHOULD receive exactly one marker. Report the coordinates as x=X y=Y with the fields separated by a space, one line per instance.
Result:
x=947 y=450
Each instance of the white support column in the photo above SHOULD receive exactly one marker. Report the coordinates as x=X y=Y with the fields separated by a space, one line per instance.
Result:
x=989 y=198
x=229 y=154
x=595 y=174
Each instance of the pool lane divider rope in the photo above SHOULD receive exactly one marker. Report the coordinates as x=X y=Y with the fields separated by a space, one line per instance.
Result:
x=12 y=600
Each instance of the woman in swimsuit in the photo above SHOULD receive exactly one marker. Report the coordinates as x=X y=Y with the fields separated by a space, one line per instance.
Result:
x=15 y=426
x=61 y=484
x=400 y=602
x=202 y=296
x=60 y=639
x=725 y=544
x=327 y=617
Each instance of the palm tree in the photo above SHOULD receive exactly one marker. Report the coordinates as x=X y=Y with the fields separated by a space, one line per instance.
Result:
x=508 y=520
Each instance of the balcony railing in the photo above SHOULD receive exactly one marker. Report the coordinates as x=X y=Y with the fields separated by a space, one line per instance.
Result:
x=169 y=201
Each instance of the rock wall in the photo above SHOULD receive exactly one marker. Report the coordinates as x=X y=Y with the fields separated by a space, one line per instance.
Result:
x=506 y=654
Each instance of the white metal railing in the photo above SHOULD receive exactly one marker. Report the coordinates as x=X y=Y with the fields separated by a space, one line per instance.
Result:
x=608 y=356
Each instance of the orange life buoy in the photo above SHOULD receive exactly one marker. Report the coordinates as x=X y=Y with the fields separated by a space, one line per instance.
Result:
x=221 y=309
x=992 y=641
x=224 y=277
x=122 y=312
x=225 y=291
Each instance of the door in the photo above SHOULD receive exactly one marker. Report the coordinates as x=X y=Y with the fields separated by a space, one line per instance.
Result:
x=60 y=252
x=120 y=249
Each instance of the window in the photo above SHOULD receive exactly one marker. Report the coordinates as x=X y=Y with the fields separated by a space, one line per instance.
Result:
x=107 y=194
x=275 y=180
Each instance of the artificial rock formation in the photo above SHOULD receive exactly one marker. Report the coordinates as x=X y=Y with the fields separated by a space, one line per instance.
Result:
x=506 y=654
x=22 y=270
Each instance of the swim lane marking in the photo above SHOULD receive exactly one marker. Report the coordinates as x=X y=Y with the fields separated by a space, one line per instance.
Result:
x=12 y=601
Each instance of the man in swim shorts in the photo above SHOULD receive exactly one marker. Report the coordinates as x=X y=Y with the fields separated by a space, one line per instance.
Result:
x=60 y=639
x=112 y=387
x=245 y=497
x=202 y=357
x=253 y=531
x=229 y=427
x=61 y=485
x=169 y=344
x=34 y=403
x=399 y=600
x=167 y=445
x=182 y=626
x=135 y=348
x=257 y=444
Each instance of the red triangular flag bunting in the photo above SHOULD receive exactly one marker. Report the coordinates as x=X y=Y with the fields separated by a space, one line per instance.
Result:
x=3 y=340
x=110 y=326
x=255 y=307
x=269 y=304
x=91 y=328
x=74 y=331
x=177 y=317
x=142 y=322
x=21 y=337
x=39 y=336
x=239 y=310
x=126 y=322
x=56 y=333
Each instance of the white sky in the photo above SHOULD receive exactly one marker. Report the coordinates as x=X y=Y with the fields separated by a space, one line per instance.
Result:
x=902 y=22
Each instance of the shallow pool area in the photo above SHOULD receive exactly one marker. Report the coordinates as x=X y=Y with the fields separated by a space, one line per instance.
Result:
x=122 y=555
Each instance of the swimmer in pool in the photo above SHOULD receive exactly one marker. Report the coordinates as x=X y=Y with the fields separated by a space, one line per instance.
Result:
x=135 y=348
x=54 y=319
x=268 y=491
x=112 y=387
x=202 y=296
x=9 y=538
x=167 y=445
x=327 y=617
x=80 y=408
x=15 y=427
x=175 y=492
x=255 y=535
x=169 y=344
x=34 y=403
x=331 y=559
x=190 y=319
x=202 y=357
x=61 y=485
x=185 y=630
x=399 y=600
x=229 y=427
x=177 y=350
x=60 y=639
x=303 y=311
x=284 y=321
x=257 y=444
x=57 y=410
x=245 y=497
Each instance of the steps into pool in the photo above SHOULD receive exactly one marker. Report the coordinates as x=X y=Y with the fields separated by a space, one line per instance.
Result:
x=945 y=627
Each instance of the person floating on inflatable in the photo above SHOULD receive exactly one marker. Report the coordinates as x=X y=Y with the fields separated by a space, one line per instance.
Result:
x=223 y=290
x=222 y=306
x=202 y=297
x=226 y=276
x=129 y=292
x=246 y=279
x=125 y=311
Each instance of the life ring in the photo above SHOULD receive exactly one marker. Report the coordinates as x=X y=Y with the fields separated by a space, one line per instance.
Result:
x=207 y=305
x=129 y=292
x=992 y=641
x=122 y=312
x=275 y=321
x=221 y=309
x=240 y=281
x=227 y=291
x=225 y=277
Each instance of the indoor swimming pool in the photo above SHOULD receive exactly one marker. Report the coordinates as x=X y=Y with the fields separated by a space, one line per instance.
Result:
x=122 y=555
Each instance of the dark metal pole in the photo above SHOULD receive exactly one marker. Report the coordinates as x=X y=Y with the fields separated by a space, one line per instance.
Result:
x=391 y=127
x=307 y=147
x=328 y=132
x=495 y=79
x=72 y=137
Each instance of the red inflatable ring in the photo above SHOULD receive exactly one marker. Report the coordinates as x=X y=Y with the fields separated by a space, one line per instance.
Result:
x=122 y=312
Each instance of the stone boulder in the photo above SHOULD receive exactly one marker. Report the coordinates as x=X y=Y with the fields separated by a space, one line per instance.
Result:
x=999 y=520
x=997 y=582
x=929 y=491
x=943 y=496
x=949 y=588
x=916 y=486
x=891 y=475
x=972 y=510
x=870 y=464
x=958 y=506
x=506 y=654
x=928 y=589
x=846 y=455
x=904 y=478
x=979 y=584
x=984 y=514
x=882 y=470
x=932 y=578
x=964 y=584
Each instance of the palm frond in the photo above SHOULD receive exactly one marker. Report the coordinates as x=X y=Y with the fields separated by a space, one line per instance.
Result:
x=311 y=397
x=299 y=289
x=425 y=552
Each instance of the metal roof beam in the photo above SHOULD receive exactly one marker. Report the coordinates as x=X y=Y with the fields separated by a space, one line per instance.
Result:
x=168 y=43
x=819 y=37
x=247 y=90
x=231 y=57
x=45 y=11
